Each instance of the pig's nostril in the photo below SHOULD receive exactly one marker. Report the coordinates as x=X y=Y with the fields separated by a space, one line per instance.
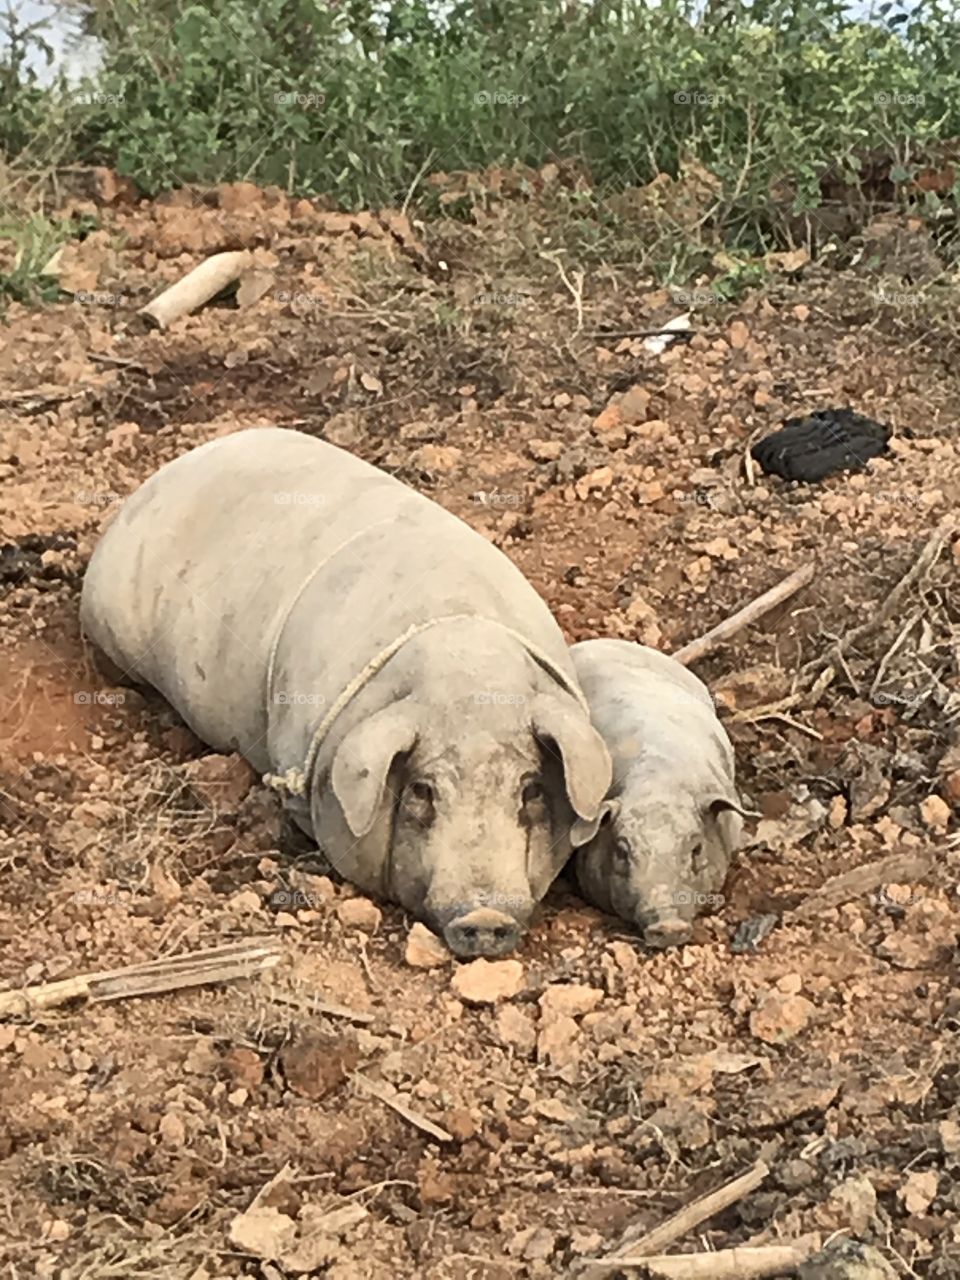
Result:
x=493 y=937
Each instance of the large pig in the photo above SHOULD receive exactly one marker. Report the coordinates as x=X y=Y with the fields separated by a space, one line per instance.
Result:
x=673 y=818
x=393 y=673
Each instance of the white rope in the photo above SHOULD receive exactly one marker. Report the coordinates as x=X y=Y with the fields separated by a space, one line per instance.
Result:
x=295 y=781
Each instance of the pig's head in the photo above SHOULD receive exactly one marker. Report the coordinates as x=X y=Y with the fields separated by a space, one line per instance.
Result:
x=461 y=809
x=659 y=864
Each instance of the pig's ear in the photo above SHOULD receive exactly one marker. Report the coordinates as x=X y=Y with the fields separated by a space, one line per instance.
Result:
x=587 y=770
x=728 y=815
x=583 y=830
x=363 y=760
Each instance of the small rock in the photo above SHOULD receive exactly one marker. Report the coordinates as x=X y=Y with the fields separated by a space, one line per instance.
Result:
x=851 y=1206
x=221 y=782
x=780 y=1017
x=436 y=458
x=244 y=1066
x=601 y=478
x=487 y=981
x=545 y=450
x=171 y=1129
x=516 y=1028
x=559 y=1041
x=571 y=999
x=359 y=913
x=919 y=1191
x=424 y=949
x=935 y=811
x=317 y=1064
x=263 y=1232
x=951 y=787
x=846 y=1259
x=607 y=420
x=738 y=335
x=634 y=404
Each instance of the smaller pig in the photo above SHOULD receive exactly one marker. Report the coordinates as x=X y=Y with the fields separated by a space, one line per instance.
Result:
x=673 y=817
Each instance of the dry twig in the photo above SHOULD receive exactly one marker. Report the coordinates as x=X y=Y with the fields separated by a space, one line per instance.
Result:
x=216 y=964
x=698 y=649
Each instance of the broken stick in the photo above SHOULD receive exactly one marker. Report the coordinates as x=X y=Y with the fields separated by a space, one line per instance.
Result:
x=197 y=287
x=412 y=1117
x=677 y=1226
x=762 y=1262
x=698 y=649
x=215 y=964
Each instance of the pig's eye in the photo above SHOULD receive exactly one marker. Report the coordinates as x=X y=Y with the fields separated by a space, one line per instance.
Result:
x=419 y=797
x=697 y=859
x=533 y=793
x=621 y=852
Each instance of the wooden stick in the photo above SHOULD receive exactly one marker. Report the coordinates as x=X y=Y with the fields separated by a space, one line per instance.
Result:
x=677 y=1226
x=412 y=1117
x=310 y=1005
x=898 y=868
x=698 y=649
x=215 y=964
x=760 y=1263
x=197 y=287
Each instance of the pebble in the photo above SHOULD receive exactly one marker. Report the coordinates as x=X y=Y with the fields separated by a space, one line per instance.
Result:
x=780 y=1017
x=424 y=949
x=571 y=999
x=359 y=913
x=935 y=811
x=516 y=1028
x=487 y=981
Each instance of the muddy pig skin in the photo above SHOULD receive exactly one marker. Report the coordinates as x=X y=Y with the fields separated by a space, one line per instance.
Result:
x=391 y=672
x=673 y=817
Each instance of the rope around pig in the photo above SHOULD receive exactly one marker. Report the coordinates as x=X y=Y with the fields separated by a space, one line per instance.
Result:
x=294 y=781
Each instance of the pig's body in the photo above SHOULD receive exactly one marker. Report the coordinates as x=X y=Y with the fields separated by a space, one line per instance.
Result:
x=674 y=813
x=339 y=630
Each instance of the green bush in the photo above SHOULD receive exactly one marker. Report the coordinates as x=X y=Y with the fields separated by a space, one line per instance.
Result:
x=332 y=98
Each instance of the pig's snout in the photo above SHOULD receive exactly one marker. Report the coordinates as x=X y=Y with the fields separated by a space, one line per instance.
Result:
x=482 y=932
x=669 y=932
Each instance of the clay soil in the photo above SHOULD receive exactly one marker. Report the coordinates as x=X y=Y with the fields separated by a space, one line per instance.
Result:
x=615 y=1084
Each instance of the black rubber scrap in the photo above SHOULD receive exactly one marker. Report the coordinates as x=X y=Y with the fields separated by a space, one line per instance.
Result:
x=824 y=442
